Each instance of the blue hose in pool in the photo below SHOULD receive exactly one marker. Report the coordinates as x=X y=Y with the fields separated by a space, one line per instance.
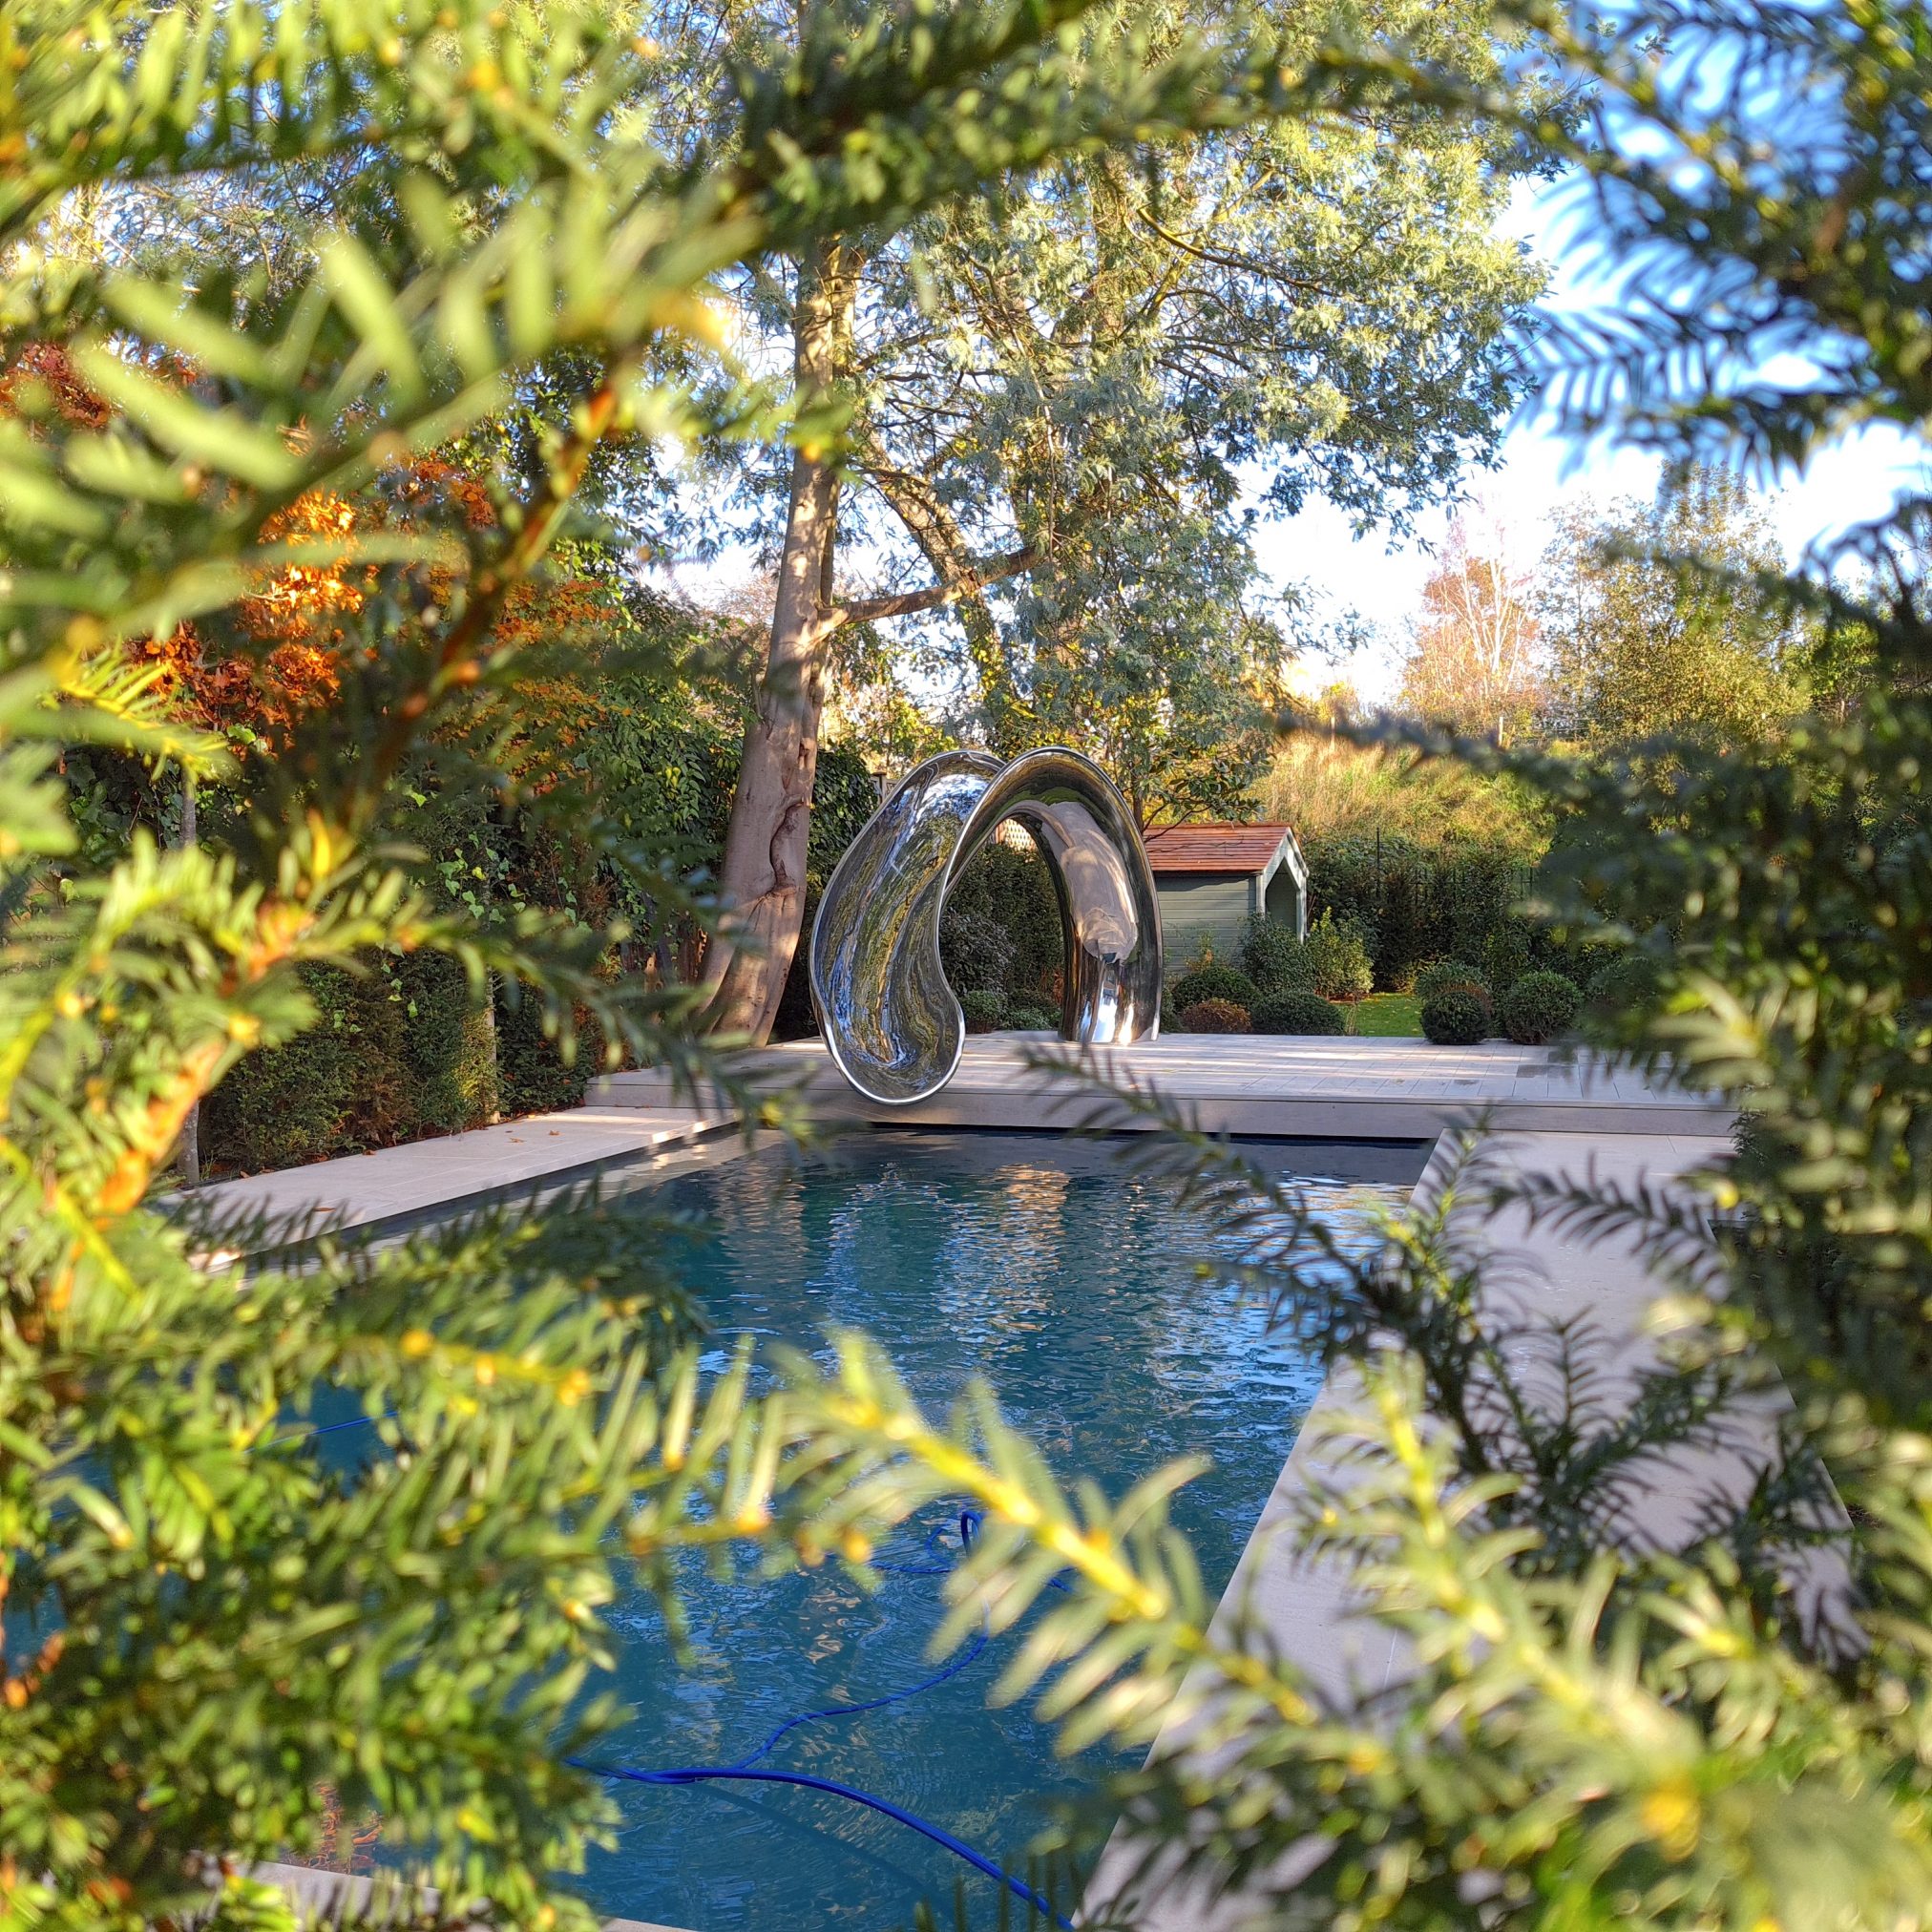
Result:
x=697 y=1774
x=742 y=1771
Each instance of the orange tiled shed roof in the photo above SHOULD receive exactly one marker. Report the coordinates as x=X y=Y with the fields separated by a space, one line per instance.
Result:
x=1214 y=848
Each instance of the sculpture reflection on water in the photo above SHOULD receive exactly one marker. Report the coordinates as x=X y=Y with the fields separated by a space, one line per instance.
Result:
x=891 y=1020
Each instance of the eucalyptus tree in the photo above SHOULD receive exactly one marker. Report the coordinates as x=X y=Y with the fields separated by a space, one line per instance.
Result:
x=1664 y=1618
x=1040 y=408
x=209 y=1623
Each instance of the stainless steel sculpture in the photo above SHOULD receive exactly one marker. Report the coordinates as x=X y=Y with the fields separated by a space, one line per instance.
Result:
x=889 y=1016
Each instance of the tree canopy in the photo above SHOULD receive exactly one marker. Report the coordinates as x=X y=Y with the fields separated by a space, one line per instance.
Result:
x=1669 y=619
x=1041 y=410
x=217 y=1639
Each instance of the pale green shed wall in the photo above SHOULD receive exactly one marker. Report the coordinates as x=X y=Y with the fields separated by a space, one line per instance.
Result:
x=1194 y=904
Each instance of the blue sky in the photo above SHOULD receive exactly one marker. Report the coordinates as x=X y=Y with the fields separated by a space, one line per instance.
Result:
x=1541 y=471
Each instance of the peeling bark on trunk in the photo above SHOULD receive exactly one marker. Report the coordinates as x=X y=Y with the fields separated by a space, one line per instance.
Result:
x=762 y=877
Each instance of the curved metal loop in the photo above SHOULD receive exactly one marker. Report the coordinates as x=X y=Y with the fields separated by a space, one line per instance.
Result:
x=891 y=1020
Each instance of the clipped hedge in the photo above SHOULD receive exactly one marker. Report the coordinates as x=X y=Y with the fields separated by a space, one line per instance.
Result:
x=1215 y=1016
x=1273 y=957
x=1537 y=1007
x=1507 y=955
x=1442 y=976
x=1216 y=982
x=1297 y=1010
x=984 y=1008
x=532 y=1077
x=1415 y=902
x=398 y=1051
x=1022 y=1017
x=1456 y=1017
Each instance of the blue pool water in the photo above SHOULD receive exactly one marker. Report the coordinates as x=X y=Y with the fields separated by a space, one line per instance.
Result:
x=1073 y=1288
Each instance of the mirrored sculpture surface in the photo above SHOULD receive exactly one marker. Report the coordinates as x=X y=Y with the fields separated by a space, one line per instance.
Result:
x=890 y=1019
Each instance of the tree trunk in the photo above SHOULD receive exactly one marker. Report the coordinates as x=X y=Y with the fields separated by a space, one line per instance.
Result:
x=763 y=879
x=188 y=1148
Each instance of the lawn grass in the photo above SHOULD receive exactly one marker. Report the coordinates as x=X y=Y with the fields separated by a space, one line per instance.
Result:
x=1387 y=1015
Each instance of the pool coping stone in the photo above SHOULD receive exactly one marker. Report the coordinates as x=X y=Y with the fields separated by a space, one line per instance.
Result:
x=1276 y=1085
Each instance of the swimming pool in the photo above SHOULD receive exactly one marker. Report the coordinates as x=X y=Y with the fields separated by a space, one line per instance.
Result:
x=1076 y=1289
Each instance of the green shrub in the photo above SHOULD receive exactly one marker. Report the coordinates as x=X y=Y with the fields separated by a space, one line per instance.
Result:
x=1506 y=953
x=1029 y=1016
x=532 y=1077
x=1215 y=1016
x=1170 y=1016
x=1001 y=926
x=1456 y=1017
x=399 y=1051
x=286 y=1107
x=1338 y=960
x=1273 y=957
x=975 y=949
x=1297 y=1010
x=984 y=1008
x=1537 y=1007
x=1417 y=901
x=1622 y=980
x=448 y=1053
x=1216 y=982
x=1443 y=974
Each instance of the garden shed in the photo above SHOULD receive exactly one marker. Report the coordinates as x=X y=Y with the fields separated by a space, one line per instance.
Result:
x=1212 y=879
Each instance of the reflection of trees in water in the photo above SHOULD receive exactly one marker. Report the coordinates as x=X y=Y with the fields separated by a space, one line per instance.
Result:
x=341 y=1845
x=1004 y=1258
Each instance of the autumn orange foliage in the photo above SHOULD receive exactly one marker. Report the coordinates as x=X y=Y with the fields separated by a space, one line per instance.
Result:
x=296 y=618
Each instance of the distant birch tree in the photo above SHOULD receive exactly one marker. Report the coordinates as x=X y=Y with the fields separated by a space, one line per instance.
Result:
x=1473 y=662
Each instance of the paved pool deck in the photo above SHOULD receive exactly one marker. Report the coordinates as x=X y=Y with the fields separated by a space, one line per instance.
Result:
x=1238 y=1083
x=1545 y=1115
x=1308 y=1610
x=515 y=1160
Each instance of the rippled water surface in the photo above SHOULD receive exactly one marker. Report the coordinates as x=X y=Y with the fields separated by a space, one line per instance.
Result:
x=1073 y=1288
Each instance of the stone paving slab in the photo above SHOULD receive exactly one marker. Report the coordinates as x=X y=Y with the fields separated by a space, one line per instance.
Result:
x=333 y=1899
x=457 y=1170
x=1248 y=1085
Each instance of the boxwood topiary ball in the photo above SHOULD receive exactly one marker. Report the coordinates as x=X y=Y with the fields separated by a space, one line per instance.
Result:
x=1537 y=1007
x=1216 y=982
x=1297 y=1010
x=1445 y=976
x=1456 y=1017
x=1215 y=1016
